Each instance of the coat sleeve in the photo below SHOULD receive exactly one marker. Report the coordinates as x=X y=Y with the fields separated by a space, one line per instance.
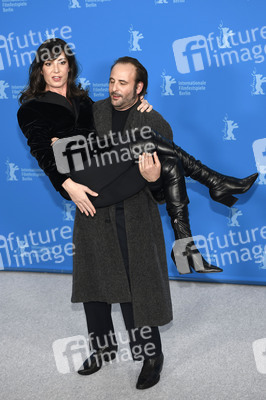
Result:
x=156 y=189
x=38 y=132
x=157 y=123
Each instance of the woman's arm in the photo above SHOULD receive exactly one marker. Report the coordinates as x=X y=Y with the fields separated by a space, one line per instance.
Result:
x=38 y=132
x=144 y=105
x=77 y=193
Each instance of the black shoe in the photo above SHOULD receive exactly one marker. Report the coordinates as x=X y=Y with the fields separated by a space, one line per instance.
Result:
x=94 y=362
x=223 y=191
x=150 y=373
x=185 y=254
x=192 y=260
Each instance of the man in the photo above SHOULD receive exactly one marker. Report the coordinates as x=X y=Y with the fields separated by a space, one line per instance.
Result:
x=135 y=271
x=142 y=276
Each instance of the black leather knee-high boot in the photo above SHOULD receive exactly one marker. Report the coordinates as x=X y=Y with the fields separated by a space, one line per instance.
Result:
x=184 y=254
x=221 y=187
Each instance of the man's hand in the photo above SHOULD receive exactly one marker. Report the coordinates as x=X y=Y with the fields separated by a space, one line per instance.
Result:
x=150 y=166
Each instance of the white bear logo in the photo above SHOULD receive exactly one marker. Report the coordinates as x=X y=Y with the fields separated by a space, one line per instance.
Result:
x=168 y=81
x=135 y=36
x=3 y=86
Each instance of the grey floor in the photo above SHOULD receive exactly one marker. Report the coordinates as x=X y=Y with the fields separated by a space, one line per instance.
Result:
x=208 y=346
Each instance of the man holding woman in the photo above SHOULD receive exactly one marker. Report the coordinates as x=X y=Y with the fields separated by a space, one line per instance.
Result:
x=119 y=253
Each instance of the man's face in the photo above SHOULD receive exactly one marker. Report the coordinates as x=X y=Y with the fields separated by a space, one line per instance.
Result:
x=123 y=91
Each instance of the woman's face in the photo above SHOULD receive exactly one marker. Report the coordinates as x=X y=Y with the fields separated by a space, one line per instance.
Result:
x=55 y=73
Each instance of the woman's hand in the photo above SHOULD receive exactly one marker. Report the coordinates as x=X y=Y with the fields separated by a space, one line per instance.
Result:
x=54 y=139
x=144 y=106
x=150 y=167
x=77 y=193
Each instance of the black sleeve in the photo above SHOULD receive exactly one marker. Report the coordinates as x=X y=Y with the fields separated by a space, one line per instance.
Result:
x=154 y=186
x=156 y=189
x=38 y=132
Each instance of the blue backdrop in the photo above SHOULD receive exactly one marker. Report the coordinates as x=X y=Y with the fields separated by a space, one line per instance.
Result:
x=207 y=77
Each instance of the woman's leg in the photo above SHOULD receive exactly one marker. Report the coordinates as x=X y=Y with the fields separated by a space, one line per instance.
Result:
x=221 y=187
x=184 y=254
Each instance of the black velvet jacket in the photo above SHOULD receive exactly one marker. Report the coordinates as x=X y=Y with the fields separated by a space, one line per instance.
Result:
x=48 y=116
x=51 y=115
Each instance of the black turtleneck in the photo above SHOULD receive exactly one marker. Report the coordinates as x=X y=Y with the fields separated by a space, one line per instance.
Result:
x=119 y=119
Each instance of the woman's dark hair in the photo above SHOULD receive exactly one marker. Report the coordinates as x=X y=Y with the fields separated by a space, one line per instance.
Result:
x=50 y=50
x=141 y=72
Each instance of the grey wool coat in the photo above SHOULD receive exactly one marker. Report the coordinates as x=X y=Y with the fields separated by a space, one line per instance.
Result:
x=98 y=270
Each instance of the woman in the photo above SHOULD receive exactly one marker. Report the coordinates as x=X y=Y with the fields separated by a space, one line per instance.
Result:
x=46 y=89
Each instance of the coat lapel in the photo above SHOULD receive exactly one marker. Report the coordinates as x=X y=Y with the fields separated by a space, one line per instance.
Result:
x=132 y=120
x=102 y=112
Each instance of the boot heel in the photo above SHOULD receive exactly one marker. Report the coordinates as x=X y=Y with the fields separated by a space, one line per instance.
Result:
x=184 y=273
x=179 y=263
x=226 y=199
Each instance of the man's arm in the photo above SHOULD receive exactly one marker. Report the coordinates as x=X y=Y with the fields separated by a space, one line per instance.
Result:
x=157 y=123
x=150 y=169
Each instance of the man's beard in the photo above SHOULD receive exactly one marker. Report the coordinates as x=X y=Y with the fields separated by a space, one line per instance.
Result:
x=132 y=100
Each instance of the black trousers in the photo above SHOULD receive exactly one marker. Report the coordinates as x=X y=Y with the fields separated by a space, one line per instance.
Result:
x=144 y=342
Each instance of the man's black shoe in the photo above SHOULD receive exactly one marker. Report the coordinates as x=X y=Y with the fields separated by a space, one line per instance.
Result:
x=94 y=362
x=150 y=373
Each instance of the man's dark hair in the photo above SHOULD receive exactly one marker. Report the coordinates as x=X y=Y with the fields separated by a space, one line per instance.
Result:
x=141 y=72
x=50 y=50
